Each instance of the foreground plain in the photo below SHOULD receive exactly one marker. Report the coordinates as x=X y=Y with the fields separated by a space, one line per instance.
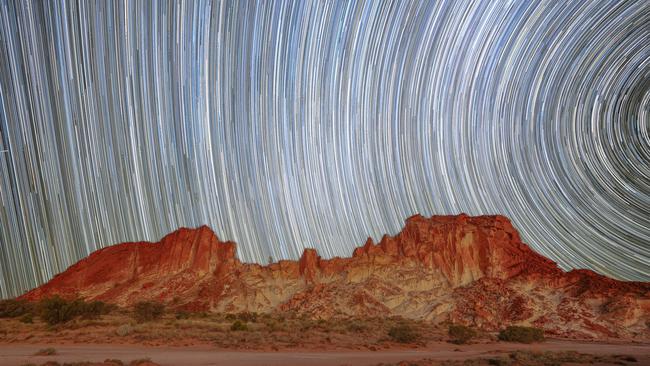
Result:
x=21 y=354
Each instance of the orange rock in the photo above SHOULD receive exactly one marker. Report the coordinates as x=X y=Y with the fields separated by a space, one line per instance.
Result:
x=471 y=270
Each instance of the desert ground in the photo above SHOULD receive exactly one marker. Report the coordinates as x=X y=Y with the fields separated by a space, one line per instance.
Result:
x=285 y=339
x=439 y=353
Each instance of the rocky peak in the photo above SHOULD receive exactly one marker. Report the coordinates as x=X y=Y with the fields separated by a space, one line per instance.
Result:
x=309 y=263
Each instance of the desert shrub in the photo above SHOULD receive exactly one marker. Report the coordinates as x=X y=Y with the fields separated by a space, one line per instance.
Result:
x=305 y=325
x=145 y=311
x=274 y=325
x=356 y=327
x=55 y=310
x=628 y=358
x=13 y=308
x=238 y=325
x=502 y=361
x=140 y=362
x=460 y=334
x=521 y=334
x=124 y=330
x=46 y=352
x=27 y=318
x=403 y=333
x=94 y=310
x=114 y=362
x=247 y=317
x=182 y=315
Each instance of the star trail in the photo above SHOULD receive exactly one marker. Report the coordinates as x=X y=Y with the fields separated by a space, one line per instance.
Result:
x=291 y=124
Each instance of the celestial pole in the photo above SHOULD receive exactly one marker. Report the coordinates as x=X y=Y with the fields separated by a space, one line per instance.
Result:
x=291 y=124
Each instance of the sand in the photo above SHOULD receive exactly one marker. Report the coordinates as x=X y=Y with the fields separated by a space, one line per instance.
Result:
x=19 y=354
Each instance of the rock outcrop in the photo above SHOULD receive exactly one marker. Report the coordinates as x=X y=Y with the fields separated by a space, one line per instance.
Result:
x=471 y=270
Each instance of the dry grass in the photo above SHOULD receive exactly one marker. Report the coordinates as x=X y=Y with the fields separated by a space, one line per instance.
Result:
x=252 y=331
x=527 y=358
x=108 y=362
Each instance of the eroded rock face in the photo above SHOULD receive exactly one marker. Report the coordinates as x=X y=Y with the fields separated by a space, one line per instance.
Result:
x=471 y=270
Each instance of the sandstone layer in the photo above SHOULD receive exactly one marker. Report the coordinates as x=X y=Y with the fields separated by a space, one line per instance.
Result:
x=470 y=270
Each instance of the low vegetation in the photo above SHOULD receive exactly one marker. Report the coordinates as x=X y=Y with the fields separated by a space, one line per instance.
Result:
x=46 y=352
x=526 y=358
x=57 y=310
x=460 y=334
x=146 y=311
x=124 y=330
x=238 y=325
x=146 y=325
x=182 y=315
x=107 y=362
x=13 y=308
x=521 y=334
x=27 y=318
x=403 y=333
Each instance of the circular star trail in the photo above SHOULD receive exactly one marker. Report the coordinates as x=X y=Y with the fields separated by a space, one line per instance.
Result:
x=286 y=125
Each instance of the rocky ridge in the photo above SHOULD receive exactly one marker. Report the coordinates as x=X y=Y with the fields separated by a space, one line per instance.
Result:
x=470 y=270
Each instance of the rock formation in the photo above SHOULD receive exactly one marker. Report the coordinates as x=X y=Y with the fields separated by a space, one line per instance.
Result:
x=470 y=270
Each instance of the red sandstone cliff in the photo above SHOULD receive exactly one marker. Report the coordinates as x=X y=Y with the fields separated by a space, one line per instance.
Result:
x=472 y=270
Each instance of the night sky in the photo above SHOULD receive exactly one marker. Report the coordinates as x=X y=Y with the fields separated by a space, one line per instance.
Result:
x=286 y=125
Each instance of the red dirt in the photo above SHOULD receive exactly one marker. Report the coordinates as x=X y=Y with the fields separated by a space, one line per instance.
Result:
x=15 y=354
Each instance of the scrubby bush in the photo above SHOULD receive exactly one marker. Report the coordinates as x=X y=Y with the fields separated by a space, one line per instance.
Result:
x=46 y=352
x=140 y=362
x=95 y=309
x=124 y=330
x=247 y=317
x=27 y=318
x=356 y=327
x=274 y=325
x=239 y=326
x=13 y=308
x=114 y=362
x=460 y=334
x=182 y=315
x=403 y=333
x=521 y=334
x=55 y=310
x=145 y=311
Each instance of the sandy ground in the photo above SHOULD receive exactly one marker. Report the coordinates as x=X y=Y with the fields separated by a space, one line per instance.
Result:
x=20 y=354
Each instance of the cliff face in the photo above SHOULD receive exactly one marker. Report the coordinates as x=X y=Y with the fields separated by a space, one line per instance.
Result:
x=472 y=270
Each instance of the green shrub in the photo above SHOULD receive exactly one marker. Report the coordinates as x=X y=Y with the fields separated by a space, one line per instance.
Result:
x=145 y=311
x=403 y=333
x=521 y=334
x=13 y=308
x=239 y=326
x=55 y=310
x=460 y=334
